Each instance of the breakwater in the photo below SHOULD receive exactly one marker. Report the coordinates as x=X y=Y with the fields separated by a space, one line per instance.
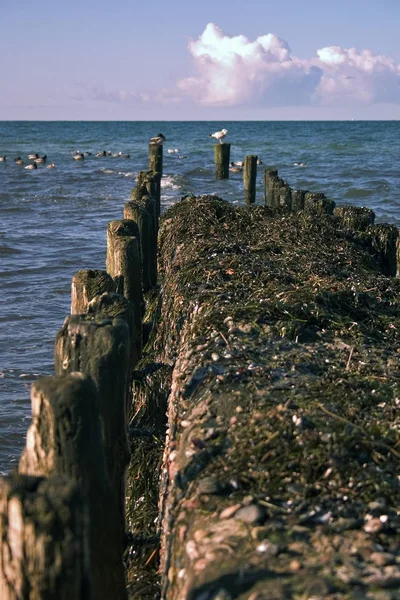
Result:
x=272 y=347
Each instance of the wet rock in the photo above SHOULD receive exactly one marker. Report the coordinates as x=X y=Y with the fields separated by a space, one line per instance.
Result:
x=251 y=514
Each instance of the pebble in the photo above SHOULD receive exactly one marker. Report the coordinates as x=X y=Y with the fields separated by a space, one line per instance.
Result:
x=382 y=558
x=227 y=513
x=268 y=548
x=250 y=514
x=295 y=565
x=209 y=485
x=373 y=526
x=191 y=550
x=215 y=356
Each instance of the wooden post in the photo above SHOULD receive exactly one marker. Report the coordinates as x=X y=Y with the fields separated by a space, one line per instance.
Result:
x=249 y=178
x=44 y=550
x=156 y=165
x=148 y=243
x=111 y=305
x=298 y=197
x=145 y=193
x=100 y=349
x=222 y=153
x=354 y=217
x=284 y=195
x=385 y=245
x=318 y=204
x=65 y=438
x=124 y=264
x=270 y=178
x=86 y=284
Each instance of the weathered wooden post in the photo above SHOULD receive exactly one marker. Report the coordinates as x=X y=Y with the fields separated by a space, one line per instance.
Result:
x=44 y=539
x=65 y=438
x=318 y=203
x=124 y=264
x=86 y=284
x=156 y=165
x=354 y=217
x=384 y=241
x=145 y=192
x=270 y=178
x=298 y=197
x=222 y=153
x=249 y=178
x=148 y=243
x=100 y=348
x=111 y=305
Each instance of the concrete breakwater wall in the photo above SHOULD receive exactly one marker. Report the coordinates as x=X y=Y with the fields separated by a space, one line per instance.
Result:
x=230 y=433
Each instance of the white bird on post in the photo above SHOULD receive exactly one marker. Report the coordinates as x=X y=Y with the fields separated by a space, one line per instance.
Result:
x=219 y=135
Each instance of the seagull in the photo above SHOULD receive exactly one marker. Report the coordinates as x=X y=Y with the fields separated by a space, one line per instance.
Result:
x=159 y=139
x=219 y=135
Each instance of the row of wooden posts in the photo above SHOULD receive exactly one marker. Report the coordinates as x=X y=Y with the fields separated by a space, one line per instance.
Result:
x=62 y=516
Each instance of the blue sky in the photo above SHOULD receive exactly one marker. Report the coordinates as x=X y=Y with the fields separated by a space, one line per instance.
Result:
x=199 y=60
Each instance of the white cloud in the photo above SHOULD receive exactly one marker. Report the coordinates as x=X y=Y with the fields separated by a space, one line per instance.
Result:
x=357 y=76
x=231 y=70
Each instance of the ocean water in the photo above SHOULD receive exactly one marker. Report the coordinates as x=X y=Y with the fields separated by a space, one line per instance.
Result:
x=53 y=221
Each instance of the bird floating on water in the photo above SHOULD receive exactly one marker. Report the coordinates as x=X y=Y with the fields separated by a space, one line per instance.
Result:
x=79 y=156
x=33 y=156
x=158 y=140
x=51 y=166
x=41 y=159
x=299 y=164
x=18 y=160
x=219 y=135
x=238 y=163
x=3 y=158
x=173 y=150
x=32 y=166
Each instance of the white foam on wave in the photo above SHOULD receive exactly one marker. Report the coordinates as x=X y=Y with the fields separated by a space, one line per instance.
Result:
x=169 y=182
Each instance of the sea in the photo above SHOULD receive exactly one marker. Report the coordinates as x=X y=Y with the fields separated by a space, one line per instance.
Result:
x=53 y=221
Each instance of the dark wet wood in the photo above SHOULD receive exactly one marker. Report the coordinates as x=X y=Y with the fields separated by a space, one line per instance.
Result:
x=112 y=305
x=124 y=264
x=249 y=178
x=44 y=540
x=156 y=166
x=222 y=153
x=99 y=348
x=65 y=438
x=148 y=243
x=86 y=284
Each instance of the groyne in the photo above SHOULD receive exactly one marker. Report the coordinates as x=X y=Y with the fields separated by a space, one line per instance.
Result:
x=223 y=422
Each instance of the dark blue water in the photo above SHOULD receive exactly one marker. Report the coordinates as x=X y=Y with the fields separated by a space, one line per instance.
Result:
x=53 y=221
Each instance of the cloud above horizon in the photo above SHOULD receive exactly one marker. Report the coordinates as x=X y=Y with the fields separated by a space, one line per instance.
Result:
x=233 y=71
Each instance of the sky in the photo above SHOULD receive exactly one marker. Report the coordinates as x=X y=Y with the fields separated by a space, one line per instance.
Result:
x=199 y=60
